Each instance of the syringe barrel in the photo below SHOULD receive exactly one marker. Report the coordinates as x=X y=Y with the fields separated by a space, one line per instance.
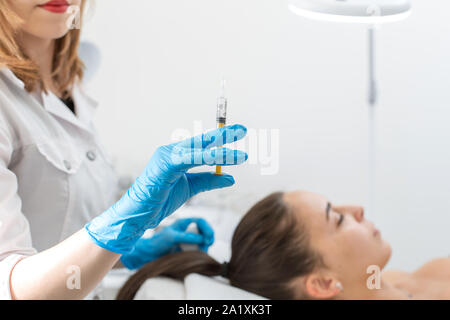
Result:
x=221 y=115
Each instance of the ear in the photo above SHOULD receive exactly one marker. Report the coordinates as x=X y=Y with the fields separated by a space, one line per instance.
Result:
x=320 y=286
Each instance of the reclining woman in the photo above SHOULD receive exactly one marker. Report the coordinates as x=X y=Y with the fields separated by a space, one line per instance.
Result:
x=296 y=245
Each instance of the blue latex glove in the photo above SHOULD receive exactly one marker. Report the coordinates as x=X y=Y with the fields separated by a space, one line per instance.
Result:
x=165 y=185
x=167 y=241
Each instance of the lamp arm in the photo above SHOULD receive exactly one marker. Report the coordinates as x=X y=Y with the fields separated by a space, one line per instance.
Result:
x=373 y=88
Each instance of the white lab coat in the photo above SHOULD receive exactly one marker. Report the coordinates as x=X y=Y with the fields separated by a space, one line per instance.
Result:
x=54 y=174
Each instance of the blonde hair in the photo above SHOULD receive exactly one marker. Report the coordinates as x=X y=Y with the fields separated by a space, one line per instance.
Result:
x=67 y=66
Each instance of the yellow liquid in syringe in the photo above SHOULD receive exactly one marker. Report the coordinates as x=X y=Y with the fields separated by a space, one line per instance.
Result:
x=219 y=168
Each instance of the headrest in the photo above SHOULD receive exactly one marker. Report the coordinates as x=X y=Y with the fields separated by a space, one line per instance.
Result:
x=195 y=287
x=199 y=287
x=161 y=288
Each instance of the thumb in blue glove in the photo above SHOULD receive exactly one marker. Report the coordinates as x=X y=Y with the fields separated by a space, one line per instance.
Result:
x=168 y=240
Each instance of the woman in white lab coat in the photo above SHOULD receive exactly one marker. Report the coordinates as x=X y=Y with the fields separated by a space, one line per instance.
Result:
x=54 y=175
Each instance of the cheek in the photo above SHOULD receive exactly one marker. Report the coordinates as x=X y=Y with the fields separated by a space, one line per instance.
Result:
x=356 y=241
x=353 y=248
x=360 y=249
x=22 y=8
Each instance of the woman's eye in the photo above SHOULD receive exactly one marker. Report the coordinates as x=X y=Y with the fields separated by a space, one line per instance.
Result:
x=341 y=219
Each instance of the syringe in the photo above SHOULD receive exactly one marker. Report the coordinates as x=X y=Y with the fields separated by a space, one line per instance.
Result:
x=221 y=116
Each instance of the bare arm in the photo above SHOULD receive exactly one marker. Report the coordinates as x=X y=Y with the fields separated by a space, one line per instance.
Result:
x=69 y=270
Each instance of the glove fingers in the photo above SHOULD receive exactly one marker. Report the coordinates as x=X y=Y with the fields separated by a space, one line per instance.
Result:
x=188 y=237
x=202 y=225
x=206 y=181
x=205 y=229
x=215 y=138
x=182 y=224
x=224 y=157
x=185 y=159
x=207 y=242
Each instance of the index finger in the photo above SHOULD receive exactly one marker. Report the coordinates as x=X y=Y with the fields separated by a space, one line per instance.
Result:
x=182 y=224
x=215 y=138
x=205 y=228
x=188 y=237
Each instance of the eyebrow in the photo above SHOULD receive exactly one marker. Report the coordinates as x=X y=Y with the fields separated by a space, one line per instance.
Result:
x=327 y=211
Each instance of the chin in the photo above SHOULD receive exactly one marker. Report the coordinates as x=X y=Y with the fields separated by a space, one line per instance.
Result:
x=60 y=34
x=56 y=29
x=54 y=32
x=48 y=26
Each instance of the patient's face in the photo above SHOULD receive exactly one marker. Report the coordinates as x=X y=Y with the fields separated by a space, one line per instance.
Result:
x=347 y=241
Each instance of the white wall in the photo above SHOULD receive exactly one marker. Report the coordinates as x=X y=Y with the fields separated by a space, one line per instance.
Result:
x=162 y=62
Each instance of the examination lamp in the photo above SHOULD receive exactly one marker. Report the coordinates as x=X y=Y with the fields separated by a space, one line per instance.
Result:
x=352 y=11
x=371 y=13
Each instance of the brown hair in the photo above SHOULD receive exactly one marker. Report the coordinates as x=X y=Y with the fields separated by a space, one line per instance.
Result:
x=270 y=249
x=67 y=66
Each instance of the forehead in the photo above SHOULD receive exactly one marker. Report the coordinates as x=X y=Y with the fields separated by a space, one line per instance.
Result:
x=309 y=207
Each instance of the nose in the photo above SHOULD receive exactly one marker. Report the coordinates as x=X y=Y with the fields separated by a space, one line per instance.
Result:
x=359 y=214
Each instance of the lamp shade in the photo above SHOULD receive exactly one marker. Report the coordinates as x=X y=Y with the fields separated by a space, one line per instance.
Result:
x=357 y=11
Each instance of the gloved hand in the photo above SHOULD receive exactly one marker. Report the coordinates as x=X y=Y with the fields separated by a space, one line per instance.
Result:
x=165 y=185
x=167 y=241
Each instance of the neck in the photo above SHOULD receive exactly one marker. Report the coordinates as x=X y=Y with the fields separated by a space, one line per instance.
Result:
x=41 y=52
x=386 y=292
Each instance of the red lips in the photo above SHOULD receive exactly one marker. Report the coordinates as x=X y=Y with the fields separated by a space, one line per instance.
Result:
x=55 y=6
